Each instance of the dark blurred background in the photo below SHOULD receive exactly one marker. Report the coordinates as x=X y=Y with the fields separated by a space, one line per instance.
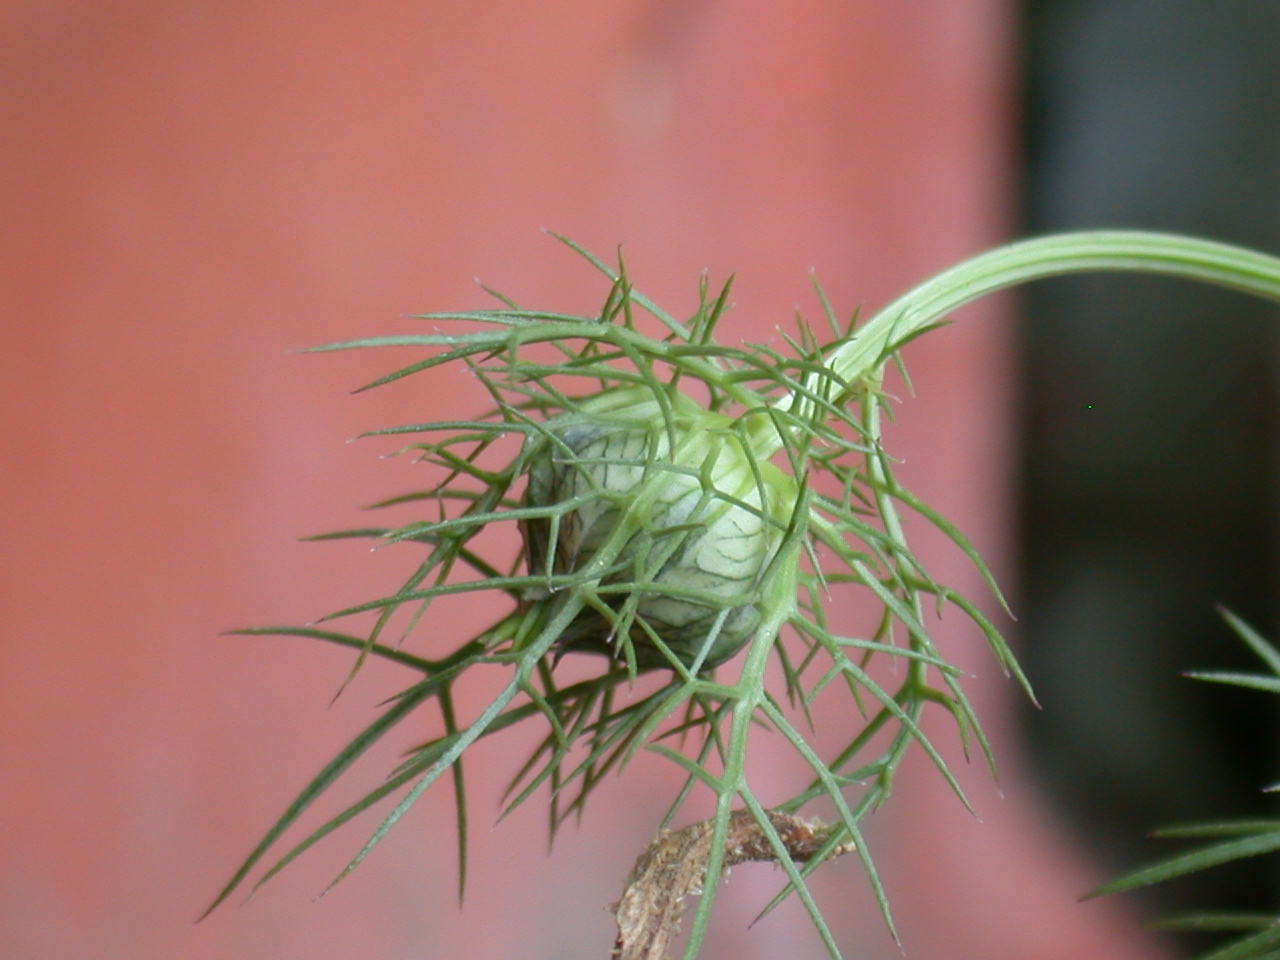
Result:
x=1149 y=427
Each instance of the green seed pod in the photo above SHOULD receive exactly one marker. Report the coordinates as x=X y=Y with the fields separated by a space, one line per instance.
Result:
x=681 y=519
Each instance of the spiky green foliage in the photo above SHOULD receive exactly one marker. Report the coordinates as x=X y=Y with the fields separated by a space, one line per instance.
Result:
x=1227 y=840
x=725 y=423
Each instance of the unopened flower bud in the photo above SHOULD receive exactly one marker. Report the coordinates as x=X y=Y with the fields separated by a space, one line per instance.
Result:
x=692 y=522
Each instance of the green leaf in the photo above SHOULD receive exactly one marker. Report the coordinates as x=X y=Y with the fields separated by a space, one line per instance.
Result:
x=329 y=773
x=1252 y=681
x=794 y=879
x=1265 y=651
x=1216 y=922
x=341 y=639
x=1218 y=828
x=1199 y=859
x=1260 y=946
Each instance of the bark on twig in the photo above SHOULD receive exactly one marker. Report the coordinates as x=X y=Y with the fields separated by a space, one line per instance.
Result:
x=673 y=867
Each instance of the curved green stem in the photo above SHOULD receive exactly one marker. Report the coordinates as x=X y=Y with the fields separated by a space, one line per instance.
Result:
x=1188 y=258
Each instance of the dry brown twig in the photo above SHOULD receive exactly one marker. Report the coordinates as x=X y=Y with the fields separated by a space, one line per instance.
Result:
x=673 y=866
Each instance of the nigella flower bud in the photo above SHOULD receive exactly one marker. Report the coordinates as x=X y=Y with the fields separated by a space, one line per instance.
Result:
x=688 y=525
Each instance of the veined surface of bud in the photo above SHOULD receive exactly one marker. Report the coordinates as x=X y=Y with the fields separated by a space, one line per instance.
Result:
x=687 y=522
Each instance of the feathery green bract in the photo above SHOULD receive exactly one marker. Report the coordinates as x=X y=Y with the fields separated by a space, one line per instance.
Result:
x=1228 y=840
x=688 y=511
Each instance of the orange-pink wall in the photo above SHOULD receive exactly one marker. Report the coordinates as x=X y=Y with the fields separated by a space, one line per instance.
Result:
x=193 y=190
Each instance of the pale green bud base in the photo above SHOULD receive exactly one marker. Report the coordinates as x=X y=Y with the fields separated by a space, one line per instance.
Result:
x=703 y=524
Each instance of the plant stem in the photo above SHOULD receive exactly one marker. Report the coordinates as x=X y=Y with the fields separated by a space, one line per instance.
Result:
x=861 y=360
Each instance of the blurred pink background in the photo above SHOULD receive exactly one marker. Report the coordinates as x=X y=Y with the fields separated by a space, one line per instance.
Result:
x=193 y=191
